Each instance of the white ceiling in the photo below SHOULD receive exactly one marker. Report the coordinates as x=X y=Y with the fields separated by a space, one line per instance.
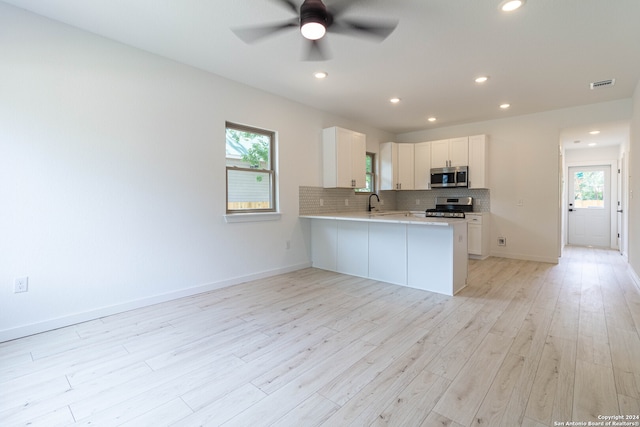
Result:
x=541 y=57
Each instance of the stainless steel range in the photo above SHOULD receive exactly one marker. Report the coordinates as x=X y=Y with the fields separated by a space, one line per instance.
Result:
x=451 y=207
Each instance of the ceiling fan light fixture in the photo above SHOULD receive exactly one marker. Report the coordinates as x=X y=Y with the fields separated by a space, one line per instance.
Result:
x=511 y=5
x=313 y=19
x=313 y=30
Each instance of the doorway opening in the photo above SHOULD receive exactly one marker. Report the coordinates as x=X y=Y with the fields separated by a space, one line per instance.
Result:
x=593 y=185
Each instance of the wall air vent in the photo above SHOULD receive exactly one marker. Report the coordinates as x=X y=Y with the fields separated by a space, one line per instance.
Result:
x=602 y=83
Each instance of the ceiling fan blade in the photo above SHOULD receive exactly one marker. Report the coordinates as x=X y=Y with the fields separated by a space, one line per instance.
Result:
x=337 y=8
x=316 y=51
x=289 y=5
x=253 y=34
x=375 y=29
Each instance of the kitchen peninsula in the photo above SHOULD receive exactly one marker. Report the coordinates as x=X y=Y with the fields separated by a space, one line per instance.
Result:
x=402 y=248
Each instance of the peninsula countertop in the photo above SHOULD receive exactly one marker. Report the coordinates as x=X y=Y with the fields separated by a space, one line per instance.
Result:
x=397 y=217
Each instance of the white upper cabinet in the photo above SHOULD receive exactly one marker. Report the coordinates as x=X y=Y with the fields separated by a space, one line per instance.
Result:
x=422 y=166
x=478 y=167
x=450 y=152
x=396 y=166
x=344 y=158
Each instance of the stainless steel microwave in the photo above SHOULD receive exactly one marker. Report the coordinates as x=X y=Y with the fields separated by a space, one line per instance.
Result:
x=450 y=177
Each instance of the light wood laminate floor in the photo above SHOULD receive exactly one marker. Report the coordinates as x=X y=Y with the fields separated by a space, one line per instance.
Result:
x=525 y=344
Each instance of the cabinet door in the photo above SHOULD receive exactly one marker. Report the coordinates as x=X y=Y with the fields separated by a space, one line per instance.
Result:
x=359 y=159
x=459 y=151
x=474 y=239
x=343 y=158
x=477 y=162
x=388 y=165
x=422 y=166
x=405 y=167
x=440 y=153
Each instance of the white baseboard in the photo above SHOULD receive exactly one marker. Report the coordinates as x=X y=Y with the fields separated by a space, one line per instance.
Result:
x=72 y=319
x=525 y=257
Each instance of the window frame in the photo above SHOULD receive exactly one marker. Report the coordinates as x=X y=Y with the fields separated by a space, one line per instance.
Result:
x=270 y=171
x=372 y=174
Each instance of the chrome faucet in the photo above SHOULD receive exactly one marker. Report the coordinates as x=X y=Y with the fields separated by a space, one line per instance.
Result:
x=372 y=194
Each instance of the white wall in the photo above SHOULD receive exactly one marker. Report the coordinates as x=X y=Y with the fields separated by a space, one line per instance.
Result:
x=112 y=177
x=524 y=165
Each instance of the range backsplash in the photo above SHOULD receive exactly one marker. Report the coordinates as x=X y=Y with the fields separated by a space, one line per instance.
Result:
x=318 y=200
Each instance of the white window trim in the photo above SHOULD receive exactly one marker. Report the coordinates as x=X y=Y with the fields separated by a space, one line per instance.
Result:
x=252 y=217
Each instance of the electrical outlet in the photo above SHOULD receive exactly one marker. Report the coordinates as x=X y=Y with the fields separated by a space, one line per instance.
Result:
x=21 y=284
x=346 y=202
x=321 y=202
x=417 y=202
x=287 y=244
x=502 y=241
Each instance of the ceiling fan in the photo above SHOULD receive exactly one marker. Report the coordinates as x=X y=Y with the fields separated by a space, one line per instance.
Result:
x=315 y=19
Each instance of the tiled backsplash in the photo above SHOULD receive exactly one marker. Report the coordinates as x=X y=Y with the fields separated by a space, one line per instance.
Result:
x=406 y=200
x=318 y=200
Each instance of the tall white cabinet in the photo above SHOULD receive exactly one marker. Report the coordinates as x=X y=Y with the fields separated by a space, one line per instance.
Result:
x=396 y=166
x=422 y=166
x=478 y=167
x=344 y=158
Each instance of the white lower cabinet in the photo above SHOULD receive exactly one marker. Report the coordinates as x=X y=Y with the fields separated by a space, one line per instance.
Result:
x=478 y=234
x=388 y=252
x=352 y=248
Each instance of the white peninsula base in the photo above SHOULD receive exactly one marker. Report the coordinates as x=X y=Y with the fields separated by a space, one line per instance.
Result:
x=428 y=254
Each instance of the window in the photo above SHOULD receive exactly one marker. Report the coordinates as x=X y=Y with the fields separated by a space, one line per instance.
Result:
x=371 y=175
x=588 y=188
x=250 y=169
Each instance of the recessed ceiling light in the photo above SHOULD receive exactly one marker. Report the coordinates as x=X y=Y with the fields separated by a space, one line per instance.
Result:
x=594 y=132
x=320 y=75
x=432 y=119
x=505 y=106
x=394 y=100
x=511 y=5
x=481 y=79
x=592 y=144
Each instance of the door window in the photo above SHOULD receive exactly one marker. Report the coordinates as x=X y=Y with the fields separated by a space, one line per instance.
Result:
x=588 y=189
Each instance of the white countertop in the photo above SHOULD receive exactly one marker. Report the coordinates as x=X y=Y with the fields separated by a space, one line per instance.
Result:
x=397 y=217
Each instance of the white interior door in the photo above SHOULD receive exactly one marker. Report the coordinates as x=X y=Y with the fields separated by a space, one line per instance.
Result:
x=619 y=205
x=589 y=218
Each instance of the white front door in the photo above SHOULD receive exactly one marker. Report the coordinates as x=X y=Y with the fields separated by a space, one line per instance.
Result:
x=589 y=204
